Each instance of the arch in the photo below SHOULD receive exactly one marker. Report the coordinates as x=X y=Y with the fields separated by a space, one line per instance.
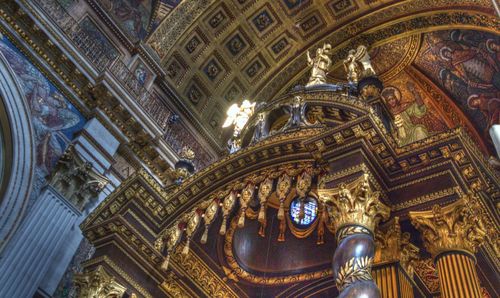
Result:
x=20 y=134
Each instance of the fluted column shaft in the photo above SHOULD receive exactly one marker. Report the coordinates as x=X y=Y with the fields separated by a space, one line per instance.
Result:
x=25 y=260
x=457 y=275
x=393 y=281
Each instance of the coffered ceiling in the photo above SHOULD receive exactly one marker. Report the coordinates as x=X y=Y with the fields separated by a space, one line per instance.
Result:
x=216 y=53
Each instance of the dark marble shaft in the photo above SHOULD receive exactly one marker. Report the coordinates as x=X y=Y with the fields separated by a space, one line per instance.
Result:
x=352 y=266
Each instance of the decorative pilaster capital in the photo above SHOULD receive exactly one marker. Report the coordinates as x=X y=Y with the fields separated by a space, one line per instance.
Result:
x=355 y=203
x=449 y=228
x=97 y=283
x=76 y=180
x=392 y=245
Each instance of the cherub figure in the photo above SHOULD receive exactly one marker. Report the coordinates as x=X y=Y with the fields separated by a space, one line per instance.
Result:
x=320 y=65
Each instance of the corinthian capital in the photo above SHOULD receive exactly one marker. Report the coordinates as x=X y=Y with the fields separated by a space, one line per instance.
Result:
x=453 y=227
x=355 y=203
x=392 y=245
x=75 y=179
x=98 y=283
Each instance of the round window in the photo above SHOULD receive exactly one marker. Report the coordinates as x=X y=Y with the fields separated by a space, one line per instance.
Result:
x=310 y=211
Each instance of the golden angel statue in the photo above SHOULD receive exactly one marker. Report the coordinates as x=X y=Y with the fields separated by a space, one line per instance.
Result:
x=358 y=64
x=239 y=115
x=320 y=65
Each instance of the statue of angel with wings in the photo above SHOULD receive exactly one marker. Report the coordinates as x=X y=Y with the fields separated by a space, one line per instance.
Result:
x=239 y=115
x=358 y=64
x=320 y=65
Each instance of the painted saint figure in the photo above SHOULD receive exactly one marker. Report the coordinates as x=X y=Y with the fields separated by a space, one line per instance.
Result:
x=407 y=131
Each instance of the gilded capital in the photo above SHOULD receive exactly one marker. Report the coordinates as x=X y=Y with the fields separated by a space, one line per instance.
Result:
x=97 y=284
x=448 y=228
x=355 y=203
x=392 y=245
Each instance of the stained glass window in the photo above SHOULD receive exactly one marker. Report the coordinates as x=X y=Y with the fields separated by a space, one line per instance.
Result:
x=310 y=211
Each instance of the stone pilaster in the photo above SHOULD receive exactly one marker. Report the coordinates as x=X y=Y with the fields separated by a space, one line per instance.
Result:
x=356 y=210
x=452 y=234
x=72 y=185
x=97 y=146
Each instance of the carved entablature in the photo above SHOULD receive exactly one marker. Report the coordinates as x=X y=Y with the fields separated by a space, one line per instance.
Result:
x=392 y=245
x=449 y=228
x=355 y=203
x=76 y=180
x=98 y=284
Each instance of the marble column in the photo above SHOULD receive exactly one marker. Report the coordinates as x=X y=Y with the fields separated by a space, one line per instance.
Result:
x=24 y=263
x=452 y=234
x=495 y=137
x=393 y=263
x=356 y=210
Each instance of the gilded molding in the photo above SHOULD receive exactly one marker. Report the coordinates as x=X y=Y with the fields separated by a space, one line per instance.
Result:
x=449 y=228
x=351 y=230
x=202 y=275
x=173 y=287
x=426 y=198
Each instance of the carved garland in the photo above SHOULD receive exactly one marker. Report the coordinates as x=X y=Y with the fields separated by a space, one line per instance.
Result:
x=354 y=270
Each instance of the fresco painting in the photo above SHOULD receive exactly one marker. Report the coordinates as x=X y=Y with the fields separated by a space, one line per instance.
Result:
x=133 y=16
x=411 y=106
x=55 y=120
x=466 y=64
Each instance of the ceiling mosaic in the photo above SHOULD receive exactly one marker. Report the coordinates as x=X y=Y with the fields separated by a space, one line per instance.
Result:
x=132 y=16
x=234 y=49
